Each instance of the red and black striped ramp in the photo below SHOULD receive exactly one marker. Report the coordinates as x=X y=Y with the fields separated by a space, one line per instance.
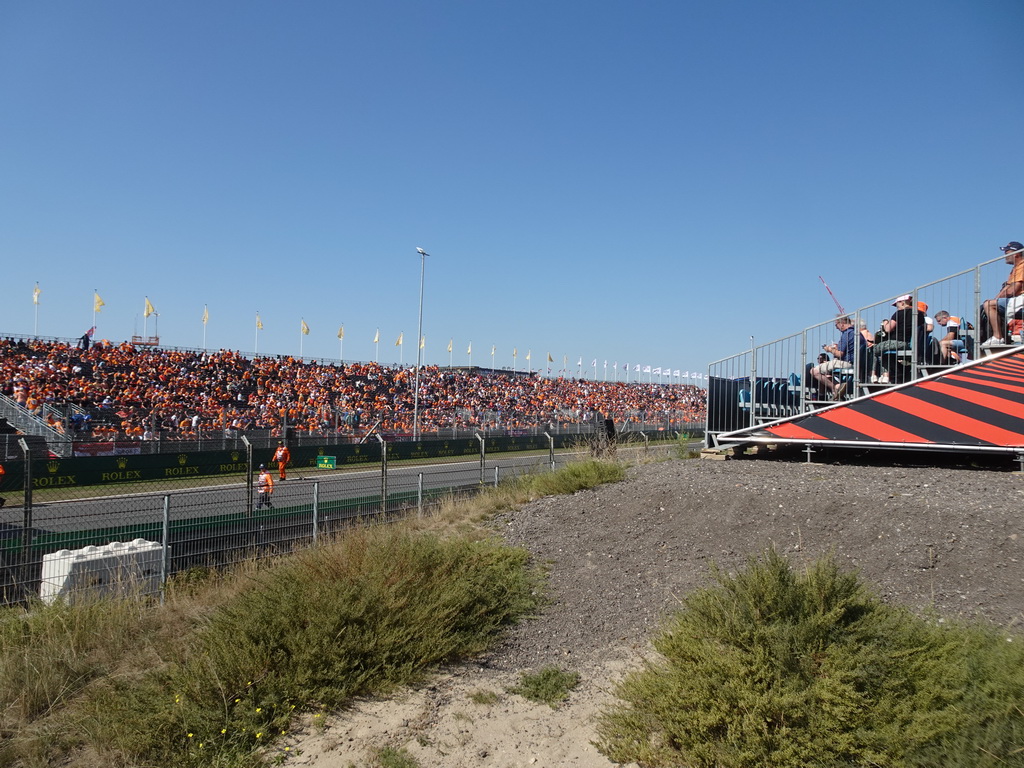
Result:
x=979 y=406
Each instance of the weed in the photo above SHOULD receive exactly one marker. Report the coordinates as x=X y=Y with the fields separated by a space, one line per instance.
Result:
x=550 y=686
x=484 y=698
x=389 y=757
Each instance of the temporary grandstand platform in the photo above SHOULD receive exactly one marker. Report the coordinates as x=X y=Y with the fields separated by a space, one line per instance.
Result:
x=767 y=396
x=976 y=407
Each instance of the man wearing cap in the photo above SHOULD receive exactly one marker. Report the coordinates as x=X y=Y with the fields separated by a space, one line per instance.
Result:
x=900 y=329
x=1013 y=287
x=264 y=488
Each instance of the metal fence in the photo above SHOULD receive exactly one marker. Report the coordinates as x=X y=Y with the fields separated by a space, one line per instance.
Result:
x=55 y=540
x=486 y=423
x=775 y=380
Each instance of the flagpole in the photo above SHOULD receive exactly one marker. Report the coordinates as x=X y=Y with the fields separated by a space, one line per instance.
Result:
x=206 y=314
x=256 y=345
x=35 y=302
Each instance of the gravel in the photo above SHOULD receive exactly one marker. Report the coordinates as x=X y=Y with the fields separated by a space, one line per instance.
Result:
x=621 y=556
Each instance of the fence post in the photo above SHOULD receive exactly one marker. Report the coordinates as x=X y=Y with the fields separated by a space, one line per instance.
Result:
x=316 y=510
x=419 y=495
x=165 y=554
x=26 y=531
x=483 y=456
x=647 y=441
x=248 y=476
x=383 y=473
x=551 y=450
x=495 y=475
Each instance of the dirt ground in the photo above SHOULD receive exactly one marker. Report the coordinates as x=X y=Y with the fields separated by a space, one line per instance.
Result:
x=620 y=557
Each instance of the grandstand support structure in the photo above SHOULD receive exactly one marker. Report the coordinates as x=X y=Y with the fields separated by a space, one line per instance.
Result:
x=973 y=408
x=33 y=426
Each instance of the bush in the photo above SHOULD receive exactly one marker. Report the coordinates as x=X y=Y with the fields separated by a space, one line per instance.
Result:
x=371 y=612
x=550 y=686
x=772 y=668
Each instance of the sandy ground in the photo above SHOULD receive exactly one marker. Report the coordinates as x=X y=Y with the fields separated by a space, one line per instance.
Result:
x=622 y=556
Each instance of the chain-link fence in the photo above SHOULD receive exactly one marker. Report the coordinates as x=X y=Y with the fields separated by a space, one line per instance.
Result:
x=114 y=529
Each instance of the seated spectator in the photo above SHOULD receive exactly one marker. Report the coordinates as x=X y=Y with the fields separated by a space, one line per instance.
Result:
x=994 y=310
x=843 y=354
x=952 y=348
x=929 y=323
x=899 y=330
x=869 y=337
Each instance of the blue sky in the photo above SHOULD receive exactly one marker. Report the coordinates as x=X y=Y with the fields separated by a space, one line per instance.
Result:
x=641 y=182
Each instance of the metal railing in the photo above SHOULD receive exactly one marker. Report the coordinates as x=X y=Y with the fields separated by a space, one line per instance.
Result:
x=775 y=380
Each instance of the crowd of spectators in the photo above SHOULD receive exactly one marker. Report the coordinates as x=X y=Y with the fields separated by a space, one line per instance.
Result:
x=120 y=391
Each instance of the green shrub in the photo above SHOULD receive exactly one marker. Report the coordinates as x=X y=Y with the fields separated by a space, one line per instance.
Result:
x=550 y=686
x=576 y=476
x=369 y=613
x=774 y=668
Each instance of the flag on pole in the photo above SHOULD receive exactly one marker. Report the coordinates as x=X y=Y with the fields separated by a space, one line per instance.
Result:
x=528 y=353
x=90 y=332
x=450 y=341
x=593 y=363
x=469 y=349
x=550 y=359
x=97 y=303
x=515 y=353
x=304 y=328
x=341 y=332
x=376 y=336
x=423 y=340
x=259 y=323
x=206 y=314
x=149 y=308
x=35 y=294
x=493 y=347
x=399 y=342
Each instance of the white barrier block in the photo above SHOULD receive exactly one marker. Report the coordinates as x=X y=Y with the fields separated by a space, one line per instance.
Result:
x=121 y=567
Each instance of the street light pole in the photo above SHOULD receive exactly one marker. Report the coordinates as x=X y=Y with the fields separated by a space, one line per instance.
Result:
x=419 y=353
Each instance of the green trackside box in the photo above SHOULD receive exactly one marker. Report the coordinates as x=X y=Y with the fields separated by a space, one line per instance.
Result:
x=326 y=462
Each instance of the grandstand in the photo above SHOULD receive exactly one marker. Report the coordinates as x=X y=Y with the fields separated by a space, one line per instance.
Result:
x=918 y=398
x=126 y=397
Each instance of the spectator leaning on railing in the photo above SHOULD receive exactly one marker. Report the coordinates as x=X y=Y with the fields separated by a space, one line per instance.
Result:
x=1012 y=288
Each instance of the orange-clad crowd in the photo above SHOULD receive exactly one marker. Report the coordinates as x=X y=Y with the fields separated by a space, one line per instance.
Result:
x=142 y=391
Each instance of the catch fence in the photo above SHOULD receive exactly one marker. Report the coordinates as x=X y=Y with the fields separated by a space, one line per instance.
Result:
x=204 y=522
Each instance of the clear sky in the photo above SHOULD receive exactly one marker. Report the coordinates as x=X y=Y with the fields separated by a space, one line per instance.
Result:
x=642 y=182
